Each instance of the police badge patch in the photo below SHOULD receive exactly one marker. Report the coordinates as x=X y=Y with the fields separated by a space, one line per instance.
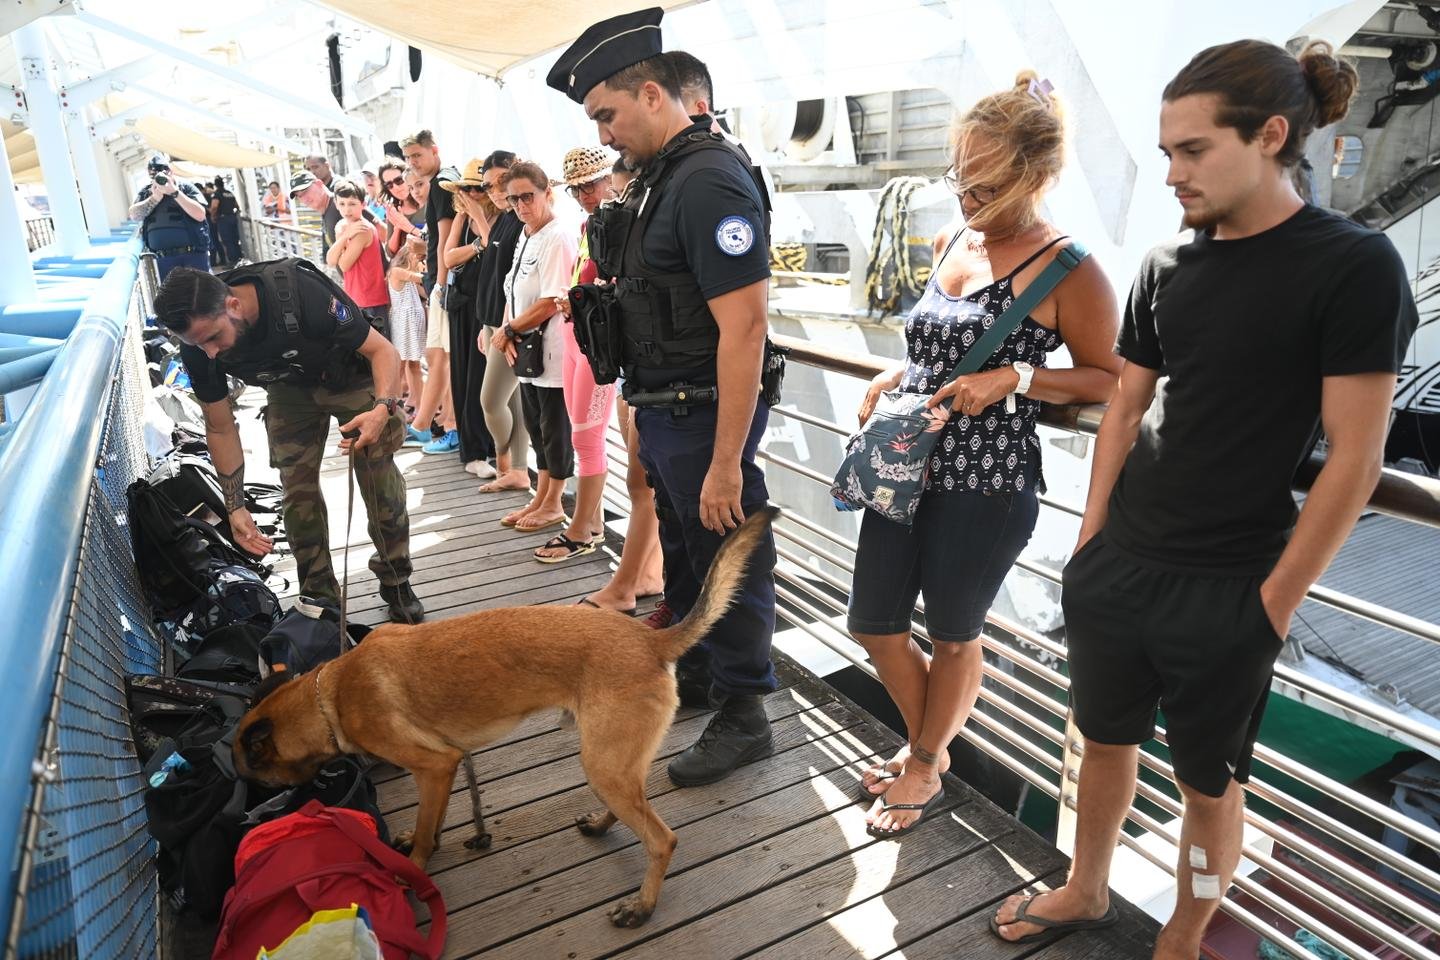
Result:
x=735 y=236
x=339 y=311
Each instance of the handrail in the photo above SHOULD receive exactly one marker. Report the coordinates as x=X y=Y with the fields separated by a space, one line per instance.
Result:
x=42 y=518
x=1402 y=495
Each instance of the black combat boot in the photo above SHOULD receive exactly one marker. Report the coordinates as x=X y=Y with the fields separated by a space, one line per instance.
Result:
x=405 y=607
x=739 y=732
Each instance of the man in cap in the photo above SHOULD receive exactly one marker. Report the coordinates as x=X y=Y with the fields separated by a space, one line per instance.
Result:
x=313 y=194
x=173 y=220
x=285 y=326
x=687 y=248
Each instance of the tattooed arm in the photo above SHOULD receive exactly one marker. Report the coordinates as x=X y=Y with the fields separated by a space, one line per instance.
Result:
x=222 y=436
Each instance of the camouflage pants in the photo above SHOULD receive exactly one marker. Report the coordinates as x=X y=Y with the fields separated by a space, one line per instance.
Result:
x=298 y=424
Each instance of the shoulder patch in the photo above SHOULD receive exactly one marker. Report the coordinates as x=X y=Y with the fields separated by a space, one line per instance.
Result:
x=735 y=236
x=339 y=311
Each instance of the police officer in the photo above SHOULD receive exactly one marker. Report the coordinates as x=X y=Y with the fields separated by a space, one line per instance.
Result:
x=173 y=220
x=688 y=253
x=283 y=325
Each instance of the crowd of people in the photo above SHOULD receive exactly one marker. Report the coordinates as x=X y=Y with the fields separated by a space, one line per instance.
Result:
x=1187 y=574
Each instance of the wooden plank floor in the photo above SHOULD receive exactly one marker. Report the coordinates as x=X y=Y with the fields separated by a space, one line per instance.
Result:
x=772 y=862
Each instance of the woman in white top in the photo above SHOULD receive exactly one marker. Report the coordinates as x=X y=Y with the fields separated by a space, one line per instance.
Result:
x=540 y=272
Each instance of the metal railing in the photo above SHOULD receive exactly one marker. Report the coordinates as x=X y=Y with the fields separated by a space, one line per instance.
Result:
x=39 y=232
x=264 y=239
x=80 y=873
x=1022 y=722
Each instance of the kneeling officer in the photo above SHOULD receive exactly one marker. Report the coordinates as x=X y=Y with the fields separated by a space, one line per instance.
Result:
x=285 y=326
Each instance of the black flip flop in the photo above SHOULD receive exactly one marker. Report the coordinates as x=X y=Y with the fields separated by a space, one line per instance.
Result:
x=1023 y=915
x=866 y=796
x=924 y=808
x=587 y=602
x=572 y=548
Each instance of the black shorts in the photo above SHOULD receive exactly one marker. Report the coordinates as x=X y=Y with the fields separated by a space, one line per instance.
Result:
x=957 y=553
x=549 y=426
x=1201 y=648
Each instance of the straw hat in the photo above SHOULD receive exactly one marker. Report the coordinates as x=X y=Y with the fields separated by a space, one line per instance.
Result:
x=584 y=164
x=469 y=177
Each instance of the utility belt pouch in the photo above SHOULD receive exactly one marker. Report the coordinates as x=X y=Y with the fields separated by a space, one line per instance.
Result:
x=678 y=397
x=605 y=234
x=596 y=316
x=772 y=373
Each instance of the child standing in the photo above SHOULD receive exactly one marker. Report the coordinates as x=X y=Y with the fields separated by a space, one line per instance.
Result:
x=407 y=320
x=356 y=252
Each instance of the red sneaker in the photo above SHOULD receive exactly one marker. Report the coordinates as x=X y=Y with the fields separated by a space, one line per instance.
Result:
x=661 y=618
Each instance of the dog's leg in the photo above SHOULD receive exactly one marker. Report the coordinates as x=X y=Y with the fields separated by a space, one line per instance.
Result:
x=433 y=783
x=616 y=771
x=481 y=840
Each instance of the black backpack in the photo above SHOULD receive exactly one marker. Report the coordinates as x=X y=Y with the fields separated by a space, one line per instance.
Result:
x=174 y=553
x=228 y=654
x=173 y=709
x=308 y=636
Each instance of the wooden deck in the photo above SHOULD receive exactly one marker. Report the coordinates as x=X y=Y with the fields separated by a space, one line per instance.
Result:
x=772 y=862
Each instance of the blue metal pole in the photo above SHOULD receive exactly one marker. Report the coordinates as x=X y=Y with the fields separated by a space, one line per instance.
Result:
x=45 y=480
x=48 y=127
x=19 y=374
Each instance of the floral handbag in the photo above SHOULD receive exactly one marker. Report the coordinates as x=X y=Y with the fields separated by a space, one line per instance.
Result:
x=884 y=464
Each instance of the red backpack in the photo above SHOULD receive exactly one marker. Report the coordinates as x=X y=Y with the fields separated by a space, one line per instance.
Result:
x=324 y=858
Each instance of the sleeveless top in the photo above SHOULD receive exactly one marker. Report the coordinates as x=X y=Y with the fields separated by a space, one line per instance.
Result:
x=365 y=280
x=992 y=451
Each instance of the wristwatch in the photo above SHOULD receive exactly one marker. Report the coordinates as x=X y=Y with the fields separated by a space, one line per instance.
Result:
x=390 y=403
x=509 y=331
x=1027 y=373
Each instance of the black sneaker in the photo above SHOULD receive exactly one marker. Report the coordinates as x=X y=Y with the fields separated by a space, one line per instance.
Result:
x=405 y=607
x=738 y=733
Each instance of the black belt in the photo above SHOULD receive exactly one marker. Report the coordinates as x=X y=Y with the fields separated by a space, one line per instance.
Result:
x=176 y=251
x=678 y=397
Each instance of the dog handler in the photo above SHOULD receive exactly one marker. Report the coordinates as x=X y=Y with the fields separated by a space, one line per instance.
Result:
x=688 y=249
x=284 y=326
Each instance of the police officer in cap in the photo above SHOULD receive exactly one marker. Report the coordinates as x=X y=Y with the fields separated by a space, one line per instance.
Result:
x=173 y=220
x=687 y=248
x=285 y=326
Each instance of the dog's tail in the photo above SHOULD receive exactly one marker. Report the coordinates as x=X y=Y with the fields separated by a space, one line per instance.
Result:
x=722 y=585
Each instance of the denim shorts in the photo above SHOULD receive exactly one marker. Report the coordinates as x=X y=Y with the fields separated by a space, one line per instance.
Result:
x=956 y=554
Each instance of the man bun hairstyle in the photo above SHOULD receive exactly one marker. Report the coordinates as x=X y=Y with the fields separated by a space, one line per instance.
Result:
x=1256 y=80
x=526 y=170
x=1012 y=142
x=186 y=294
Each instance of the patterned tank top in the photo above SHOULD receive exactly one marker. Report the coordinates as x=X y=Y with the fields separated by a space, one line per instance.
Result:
x=992 y=451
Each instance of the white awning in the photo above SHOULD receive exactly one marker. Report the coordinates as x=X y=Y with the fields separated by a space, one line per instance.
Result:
x=486 y=38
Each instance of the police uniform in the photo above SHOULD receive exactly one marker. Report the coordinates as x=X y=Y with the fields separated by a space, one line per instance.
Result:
x=691 y=228
x=302 y=350
x=176 y=238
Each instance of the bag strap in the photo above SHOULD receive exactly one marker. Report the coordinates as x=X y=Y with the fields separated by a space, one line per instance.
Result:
x=1058 y=269
x=397 y=863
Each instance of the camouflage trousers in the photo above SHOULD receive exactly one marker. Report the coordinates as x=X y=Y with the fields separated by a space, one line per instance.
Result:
x=298 y=424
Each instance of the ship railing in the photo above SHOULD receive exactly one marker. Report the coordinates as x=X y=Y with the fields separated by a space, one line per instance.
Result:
x=1332 y=876
x=266 y=239
x=80 y=878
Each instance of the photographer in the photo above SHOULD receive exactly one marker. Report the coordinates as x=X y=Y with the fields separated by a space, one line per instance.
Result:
x=172 y=216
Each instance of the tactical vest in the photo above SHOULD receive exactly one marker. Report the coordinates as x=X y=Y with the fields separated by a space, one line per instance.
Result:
x=665 y=321
x=169 y=227
x=286 y=354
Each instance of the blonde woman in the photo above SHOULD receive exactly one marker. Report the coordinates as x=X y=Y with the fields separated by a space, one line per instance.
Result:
x=979 y=505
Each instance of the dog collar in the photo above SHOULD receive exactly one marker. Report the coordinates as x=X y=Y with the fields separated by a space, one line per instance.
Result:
x=325 y=714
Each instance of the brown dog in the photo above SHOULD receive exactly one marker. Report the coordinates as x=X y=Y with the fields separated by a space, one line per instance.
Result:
x=422 y=697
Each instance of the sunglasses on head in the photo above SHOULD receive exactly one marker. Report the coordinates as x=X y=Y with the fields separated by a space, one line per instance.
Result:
x=516 y=199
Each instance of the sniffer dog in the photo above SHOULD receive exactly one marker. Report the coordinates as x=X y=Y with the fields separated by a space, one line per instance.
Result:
x=423 y=697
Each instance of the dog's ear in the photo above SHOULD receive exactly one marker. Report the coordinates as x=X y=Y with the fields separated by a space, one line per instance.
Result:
x=269 y=685
x=258 y=743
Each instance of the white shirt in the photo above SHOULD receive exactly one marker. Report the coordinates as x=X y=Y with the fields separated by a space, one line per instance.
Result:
x=541 y=269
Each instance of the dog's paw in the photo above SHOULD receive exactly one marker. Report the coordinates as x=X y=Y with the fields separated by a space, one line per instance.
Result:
x=629 y=913
x=479 y=842
x=404 y=842
x=595 y=824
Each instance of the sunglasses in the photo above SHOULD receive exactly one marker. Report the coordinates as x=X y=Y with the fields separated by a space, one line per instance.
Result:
x=981 y=195
x=516 y=199
x=470 y=188
x=392 y=184
x=585 y=189
x=491 y=186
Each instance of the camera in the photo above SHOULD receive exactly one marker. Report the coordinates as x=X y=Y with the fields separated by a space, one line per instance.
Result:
x=161 y=179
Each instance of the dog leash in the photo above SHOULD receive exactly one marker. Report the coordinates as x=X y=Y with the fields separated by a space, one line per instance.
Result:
x=350 y=435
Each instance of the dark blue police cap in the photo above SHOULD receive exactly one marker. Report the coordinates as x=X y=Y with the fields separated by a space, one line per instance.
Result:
x=604 y=50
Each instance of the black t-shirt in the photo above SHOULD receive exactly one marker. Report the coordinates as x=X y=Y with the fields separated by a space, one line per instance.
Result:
x=440 y=206
x=495 y=261
x=1243 y=331
x=708 y=221
x=323 y=316
x=229 y=206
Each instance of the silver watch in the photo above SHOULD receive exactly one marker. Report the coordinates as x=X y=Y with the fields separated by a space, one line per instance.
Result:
x=1027 y=373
